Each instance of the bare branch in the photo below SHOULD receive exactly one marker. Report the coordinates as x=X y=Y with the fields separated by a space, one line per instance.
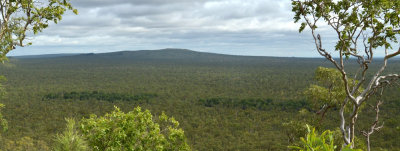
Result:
x=393 y=54
x=374 y=126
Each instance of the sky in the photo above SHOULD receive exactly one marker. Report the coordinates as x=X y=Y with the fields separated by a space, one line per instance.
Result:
x=238 y=27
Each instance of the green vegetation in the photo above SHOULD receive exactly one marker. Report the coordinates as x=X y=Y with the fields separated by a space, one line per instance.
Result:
x=70 y=139
x=135 y=130
x=363 y=29
x=3 y=121
x=258 y=104
x=98 y=96
x=220 y=100
x=313 y=141
x=324 y=142
x=24 y=16
x=179 y=84
x=20 y=17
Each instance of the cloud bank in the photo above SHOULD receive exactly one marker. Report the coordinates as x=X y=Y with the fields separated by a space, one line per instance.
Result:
x=240 y=27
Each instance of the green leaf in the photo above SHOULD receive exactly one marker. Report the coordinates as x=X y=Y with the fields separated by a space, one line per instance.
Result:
x=302 y=27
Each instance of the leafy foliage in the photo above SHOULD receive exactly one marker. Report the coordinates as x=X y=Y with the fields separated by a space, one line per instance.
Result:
x=329 y=89
x=313 y=141
x=70 y=139
x=350 y=16
x=22 y=16
x=319 y=142
x=135 y=130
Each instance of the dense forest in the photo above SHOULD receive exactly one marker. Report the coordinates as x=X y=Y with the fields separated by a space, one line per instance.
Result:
x=222 y=102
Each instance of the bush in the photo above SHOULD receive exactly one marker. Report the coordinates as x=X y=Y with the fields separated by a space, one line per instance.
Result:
x=315 y=142
x=135 y=130
x=70 y=139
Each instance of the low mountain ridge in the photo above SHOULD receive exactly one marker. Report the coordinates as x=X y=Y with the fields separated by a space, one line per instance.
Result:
x=169 y=53
x=169 y=56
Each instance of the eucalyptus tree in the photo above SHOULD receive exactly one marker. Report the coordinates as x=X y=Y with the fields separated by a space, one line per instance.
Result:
x=362 y=28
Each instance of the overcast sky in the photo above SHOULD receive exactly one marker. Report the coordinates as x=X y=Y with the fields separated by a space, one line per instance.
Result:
x=240 y=27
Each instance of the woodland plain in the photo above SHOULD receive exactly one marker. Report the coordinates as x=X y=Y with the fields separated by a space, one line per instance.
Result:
x=222 y=102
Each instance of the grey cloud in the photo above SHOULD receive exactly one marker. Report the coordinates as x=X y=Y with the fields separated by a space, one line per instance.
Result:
x=241 y=9
x=102 y=3
x=207 y=25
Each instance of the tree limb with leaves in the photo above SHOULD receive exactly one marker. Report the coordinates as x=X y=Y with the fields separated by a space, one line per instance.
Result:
x=20 y=18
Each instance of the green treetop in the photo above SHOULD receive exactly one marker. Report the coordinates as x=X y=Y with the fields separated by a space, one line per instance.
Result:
x=19 y=17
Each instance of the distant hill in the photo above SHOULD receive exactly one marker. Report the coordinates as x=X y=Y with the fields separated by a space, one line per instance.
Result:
x=160 y=54
x=168 y=53
x=180 y=56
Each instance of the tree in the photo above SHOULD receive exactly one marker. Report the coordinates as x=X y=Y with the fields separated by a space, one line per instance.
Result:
x=363 y=27
x=329 y=91
x=19 y=17
x=70 y=139
x=135 y=130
